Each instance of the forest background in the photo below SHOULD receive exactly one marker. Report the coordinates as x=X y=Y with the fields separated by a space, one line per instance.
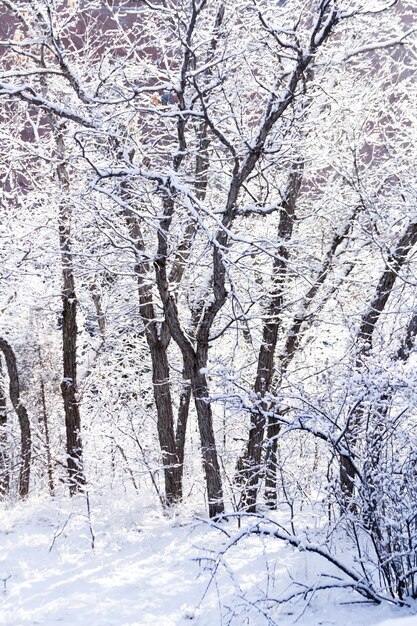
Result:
x=207 y=286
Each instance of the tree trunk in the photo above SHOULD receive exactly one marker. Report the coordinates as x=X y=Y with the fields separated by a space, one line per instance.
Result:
x=393 y=265
x=273 y=431
x=4 y=456
x=69 y=386
x=195 y=362
x=46 y=427
x=208 y=443
x=158 y=340
x=271 y=328
x=163 y=401
x=182 y=419
x=25 y=436
x=69 y=335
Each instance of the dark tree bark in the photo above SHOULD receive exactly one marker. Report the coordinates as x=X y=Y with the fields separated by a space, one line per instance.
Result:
x=163 y=401
x=25 y=434
x=4 y=456
x=298 y=328
x=69 y=384
x=45 y=423
x=208 y=442
x=69 y=388
x=101 y=318
x=272 y=323
x=158 y=338
x=277 y=106
x=182 y=418
x=293 y=339
x=195 y=360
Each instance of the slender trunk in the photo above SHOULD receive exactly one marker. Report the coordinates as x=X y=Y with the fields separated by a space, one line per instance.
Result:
x=202 y=164
x=272 y=433
x=271 y=328
x=25 y=435
x=46 y=428
x=182 y=419
x=195 y=361
x=101 y=318
x=4 y=456
x=157 y=338
x=195 y=382
x=208 y=442
x=292 y=342
x=163 y=401
x=69 y=388
x=393 y=265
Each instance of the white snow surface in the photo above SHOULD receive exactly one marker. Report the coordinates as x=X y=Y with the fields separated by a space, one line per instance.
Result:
x=150 y=569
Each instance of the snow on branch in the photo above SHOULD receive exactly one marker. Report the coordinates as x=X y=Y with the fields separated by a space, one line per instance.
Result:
x=379 y=45
x=265 y=527
x=26 y=93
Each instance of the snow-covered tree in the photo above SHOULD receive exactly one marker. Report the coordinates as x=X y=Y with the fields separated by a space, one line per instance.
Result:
x=242 y=172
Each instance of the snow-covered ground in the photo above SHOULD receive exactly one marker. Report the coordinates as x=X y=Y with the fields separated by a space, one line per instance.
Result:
x=149 y=570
